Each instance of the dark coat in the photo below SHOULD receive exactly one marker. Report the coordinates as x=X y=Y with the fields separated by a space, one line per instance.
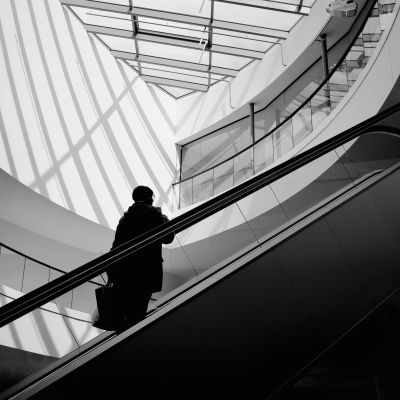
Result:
x=143 y=268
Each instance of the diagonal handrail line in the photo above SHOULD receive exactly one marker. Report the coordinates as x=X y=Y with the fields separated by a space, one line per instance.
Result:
x=286 y=119
x=82 y=274
x=39 y=262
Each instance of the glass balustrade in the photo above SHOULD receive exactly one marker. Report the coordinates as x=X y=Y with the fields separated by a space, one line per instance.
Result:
x=20 y=274
x=279 y=127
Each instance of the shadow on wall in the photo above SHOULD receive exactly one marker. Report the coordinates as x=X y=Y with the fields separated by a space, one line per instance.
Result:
x=68 y=130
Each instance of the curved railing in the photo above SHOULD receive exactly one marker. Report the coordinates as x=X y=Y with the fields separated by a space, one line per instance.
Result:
x=298 y=119
x=24 y=274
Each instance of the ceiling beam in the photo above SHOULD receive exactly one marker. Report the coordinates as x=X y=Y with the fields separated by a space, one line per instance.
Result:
x=173 y=63
x=172 y=40
x=262 y=4
x=177 y=17
x=175 y=83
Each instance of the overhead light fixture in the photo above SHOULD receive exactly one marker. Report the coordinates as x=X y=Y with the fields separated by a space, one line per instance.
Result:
x=342 y=8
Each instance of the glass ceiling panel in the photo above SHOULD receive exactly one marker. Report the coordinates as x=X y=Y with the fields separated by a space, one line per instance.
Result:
x=244 y=43
x=123 y=2
x=254 y=16
x=173 y=75
x=116 y=43
x=176 y=92
x=191 y=7
x=171 y=27
x=306 y=3
x=242 y=35
x=224 y=60
x=178 y=71
x=171 y=36
x=166 y=51
x=103 y=18
x=149 y=48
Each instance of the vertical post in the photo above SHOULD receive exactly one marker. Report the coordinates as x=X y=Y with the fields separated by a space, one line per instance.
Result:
x=252 y=131
x=325 y=66
x=210 y=42
x=324 y=52
x=180 y=162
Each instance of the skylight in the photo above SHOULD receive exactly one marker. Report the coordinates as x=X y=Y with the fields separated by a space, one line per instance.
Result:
x=186 y=46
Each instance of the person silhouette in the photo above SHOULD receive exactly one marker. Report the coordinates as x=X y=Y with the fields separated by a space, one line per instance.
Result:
x=136 y=277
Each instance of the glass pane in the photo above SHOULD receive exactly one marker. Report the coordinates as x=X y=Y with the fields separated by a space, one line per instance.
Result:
x=223 y=177
x=186 y=193
x=338 y=85
x=35 y=275
x=175 y=197
x=259 y=125
x=243 y=166
x=245 y=138
x=229 y=61
x=212 y=151
x=11 y=269
x=255 y=16
x=202 y=186
x=320 y=106
x=191 y=159
x=66 y=299
x=215 y=148
x=104 y=18
x=302 y=124
x=175 y=73
x=191 y=7
x=283 y=139
x=172 y=28
x=83 y=299
x=263 y=154
x=273 y=113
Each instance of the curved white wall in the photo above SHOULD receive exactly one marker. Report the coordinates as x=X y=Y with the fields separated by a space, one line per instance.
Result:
x=46 y=231
x=77 y=126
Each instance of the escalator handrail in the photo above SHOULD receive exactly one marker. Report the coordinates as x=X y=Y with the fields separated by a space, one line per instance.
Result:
x=82 y=274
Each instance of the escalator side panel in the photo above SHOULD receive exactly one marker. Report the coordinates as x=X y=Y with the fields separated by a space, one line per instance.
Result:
x=354 y=226
x=387 y=198
x=201 y=348
x=324 y=279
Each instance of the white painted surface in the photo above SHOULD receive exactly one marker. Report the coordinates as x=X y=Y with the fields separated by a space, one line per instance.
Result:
x=45 y=331
x=78 y=126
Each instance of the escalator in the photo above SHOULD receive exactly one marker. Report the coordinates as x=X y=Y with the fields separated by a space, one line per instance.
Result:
x=307 y=249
